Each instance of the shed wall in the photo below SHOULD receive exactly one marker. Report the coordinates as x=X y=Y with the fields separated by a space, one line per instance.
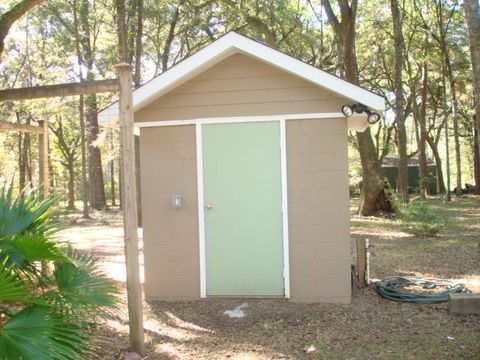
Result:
x=170 y=236
x=241 y=86
x=316 y=170
x=318 y=210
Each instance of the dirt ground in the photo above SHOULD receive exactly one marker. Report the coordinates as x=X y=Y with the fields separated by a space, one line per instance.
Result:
x=370 y=328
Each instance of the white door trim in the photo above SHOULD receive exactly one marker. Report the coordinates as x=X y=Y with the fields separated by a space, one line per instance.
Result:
x=201 y=206
x=286 y=247
x=238 y=119
x=201 y=211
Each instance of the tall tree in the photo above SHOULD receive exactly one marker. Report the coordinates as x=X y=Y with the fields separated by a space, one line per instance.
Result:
x=171 y=35
x=476 y=159
x=96 y=185
x=472 y=15
x=67 y=142
x=434 y=135
x=374 y=196
x=138 y=44
x=399 y=103
x=25 y=171
x=81 y=113
x=448 y=73
x=422 y=141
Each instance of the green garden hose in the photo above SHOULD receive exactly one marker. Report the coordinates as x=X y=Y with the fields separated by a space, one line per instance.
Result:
x=396 y=288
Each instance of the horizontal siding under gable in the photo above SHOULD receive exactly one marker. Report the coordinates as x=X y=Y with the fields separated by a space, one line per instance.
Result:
x=241 y=86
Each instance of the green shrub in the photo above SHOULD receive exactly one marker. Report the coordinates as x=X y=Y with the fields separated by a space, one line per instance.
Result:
x=45 y=314
x=421 y=220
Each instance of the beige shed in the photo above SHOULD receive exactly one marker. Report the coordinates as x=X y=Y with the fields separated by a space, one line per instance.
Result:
x=244 y=175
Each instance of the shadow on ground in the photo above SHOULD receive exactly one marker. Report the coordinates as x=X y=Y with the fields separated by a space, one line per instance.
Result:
x=370 y=328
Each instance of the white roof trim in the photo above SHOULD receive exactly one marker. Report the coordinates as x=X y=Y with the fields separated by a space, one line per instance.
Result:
x=230 y=44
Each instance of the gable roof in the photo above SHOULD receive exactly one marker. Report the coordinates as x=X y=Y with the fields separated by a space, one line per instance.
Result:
x=233 y=43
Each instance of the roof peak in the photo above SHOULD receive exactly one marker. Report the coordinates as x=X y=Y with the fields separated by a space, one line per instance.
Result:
x=233 y=42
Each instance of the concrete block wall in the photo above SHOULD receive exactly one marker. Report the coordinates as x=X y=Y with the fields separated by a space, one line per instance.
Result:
x=318 y=207
x=170 y=236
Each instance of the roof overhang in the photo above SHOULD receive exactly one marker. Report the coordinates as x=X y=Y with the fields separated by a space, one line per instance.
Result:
x=230 y=44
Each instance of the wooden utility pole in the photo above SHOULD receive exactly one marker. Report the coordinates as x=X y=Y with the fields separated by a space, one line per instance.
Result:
x=130 y=211
x=129 y=198
x=43 y=158
x=130 y=221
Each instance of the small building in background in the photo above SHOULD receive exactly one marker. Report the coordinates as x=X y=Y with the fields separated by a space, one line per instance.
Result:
x=390 y=169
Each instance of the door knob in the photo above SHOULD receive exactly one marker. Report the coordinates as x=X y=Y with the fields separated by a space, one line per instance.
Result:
x=209 y=206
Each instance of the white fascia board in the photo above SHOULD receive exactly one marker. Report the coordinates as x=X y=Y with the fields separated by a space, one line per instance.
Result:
x=228 y=45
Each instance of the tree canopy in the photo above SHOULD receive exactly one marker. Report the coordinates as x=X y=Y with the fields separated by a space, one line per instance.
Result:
x=427 y=82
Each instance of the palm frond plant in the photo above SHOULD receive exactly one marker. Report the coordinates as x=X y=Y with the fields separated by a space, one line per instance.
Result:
x=45 y=314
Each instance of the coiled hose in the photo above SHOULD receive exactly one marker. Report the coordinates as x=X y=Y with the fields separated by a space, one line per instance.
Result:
x=396 y=288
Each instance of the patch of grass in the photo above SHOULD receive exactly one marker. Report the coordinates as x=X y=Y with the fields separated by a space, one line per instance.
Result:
x=422 y=220
x=454 y=253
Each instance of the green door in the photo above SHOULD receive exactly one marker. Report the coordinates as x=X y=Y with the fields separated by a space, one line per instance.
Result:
x=243 y=216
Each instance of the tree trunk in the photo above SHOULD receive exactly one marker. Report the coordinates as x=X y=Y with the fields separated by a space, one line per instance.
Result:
x=25 y=170
x=422 y=121
x=112 y=183
x=399 y=103
x=138 y=45
x=21 y=170
x=71 y=184
x=170 y=36
x=441 y=189
x=447 y=74
x=472 y=16
x=120 y=184
x=21 y=161
x=84 y=159
x=81 y=110
x=112 y=171
x=374 y=197
x=447 y=146
x=476 y=160
x=137 y=81
x=454 y=105
x=96 y=185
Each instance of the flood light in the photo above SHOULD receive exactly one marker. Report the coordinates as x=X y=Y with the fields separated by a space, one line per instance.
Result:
x=347 y=110
x=360 y=108
x=373 y=117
